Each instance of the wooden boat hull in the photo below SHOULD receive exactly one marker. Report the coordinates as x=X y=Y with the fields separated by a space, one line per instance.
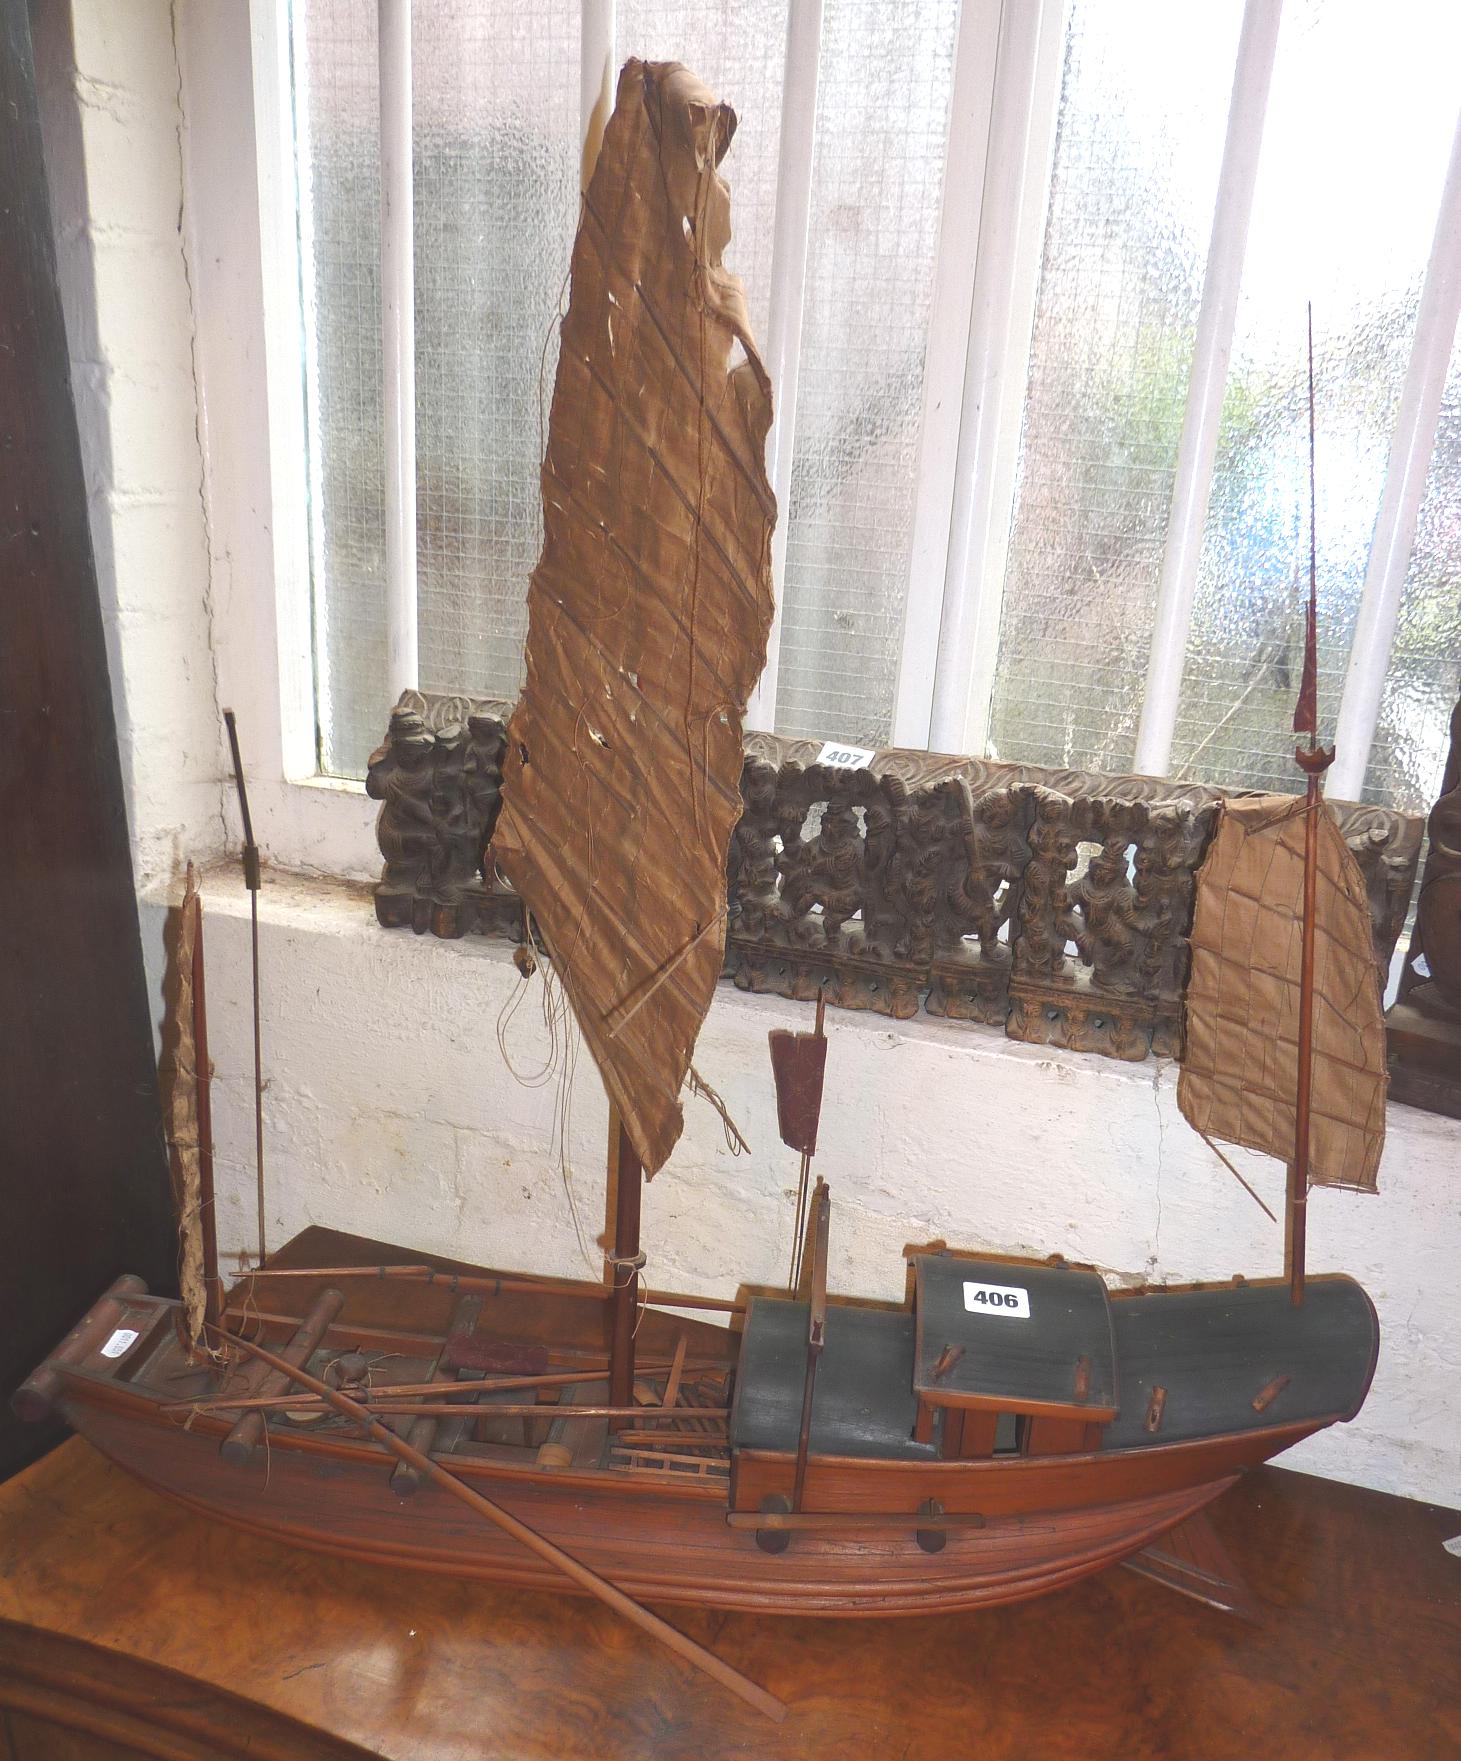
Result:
x=660 y=1537
x=653 y=1546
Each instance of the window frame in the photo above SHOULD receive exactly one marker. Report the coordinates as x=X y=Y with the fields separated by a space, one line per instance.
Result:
x=1003 y=110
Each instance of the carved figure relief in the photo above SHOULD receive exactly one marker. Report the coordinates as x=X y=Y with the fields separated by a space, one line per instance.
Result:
x=922 y=883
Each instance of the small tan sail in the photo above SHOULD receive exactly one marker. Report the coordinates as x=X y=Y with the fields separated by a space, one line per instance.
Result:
x=183 y=1135
x=1239 y=1072
x=649 y=609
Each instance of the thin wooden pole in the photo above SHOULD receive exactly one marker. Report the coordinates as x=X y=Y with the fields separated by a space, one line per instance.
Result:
x=447 y=1390
x=252 y=876
x=446 y=1409
x=816 y=1335
x=573 y=1569
x=624 y=1263
x=203 y=1084
x=669 y=1299
x=1313 y=760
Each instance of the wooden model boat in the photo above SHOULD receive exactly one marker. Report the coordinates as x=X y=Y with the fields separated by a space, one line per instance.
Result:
x=1119 y=1415
x=1014 y=1425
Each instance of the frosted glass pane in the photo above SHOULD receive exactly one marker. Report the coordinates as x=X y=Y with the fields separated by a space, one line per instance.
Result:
x=495 y=97
x=882 y=129
x=738 y=47
x=1143 y=106
x=1354 y=155
x=1424 y=679
x=338 y=140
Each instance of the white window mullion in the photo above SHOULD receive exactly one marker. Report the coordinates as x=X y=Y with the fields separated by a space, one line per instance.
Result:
x=1197 y=449
x=596 y=80
x=1001 y=313
x=787 y=306
x=943 y=371
x=1405 y=481
x=398 y=342
x=280 y=117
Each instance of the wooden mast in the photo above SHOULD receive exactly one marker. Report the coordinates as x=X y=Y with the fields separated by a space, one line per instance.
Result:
x=251 y=873
x=203 y=1082
x=625 y=1263
x=1313 y=760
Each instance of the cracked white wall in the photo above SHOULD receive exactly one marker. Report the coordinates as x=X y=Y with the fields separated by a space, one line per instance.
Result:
x=113 y=125
x=390 y=1112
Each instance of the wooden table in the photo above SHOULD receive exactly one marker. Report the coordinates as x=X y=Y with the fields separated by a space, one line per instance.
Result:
x=124 y=1615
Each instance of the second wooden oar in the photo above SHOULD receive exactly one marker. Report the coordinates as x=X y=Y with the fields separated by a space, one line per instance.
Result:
x=582 y=1575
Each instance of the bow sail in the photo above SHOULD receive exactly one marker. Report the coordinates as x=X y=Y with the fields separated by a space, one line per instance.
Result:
x=649 y=609
x=1240 y=1073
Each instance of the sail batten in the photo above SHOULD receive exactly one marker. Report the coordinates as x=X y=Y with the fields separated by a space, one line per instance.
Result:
x=649 y=609
x=1239 y=1078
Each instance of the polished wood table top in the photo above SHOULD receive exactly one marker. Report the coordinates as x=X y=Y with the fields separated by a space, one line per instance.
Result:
x=1358 y=1657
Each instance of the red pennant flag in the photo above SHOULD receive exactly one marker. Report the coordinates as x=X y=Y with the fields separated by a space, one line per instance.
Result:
x=1306 y=710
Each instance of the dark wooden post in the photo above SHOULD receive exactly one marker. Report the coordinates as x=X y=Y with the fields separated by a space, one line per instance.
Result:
x=84 y=1185
x=624 y=1264
x=1315 y=761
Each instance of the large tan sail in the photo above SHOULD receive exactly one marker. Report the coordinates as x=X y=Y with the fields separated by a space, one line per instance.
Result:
x=649 y=609
x=1239 y=1073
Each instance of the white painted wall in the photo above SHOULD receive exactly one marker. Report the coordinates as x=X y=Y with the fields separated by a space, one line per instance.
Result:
x=391 y=1112
x=112 y=120
x=389 y=1108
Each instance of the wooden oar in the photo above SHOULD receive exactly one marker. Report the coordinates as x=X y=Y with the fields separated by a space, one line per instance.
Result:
x=442 y=1409
x=409 y=1390
x=493 y=1286
x=580 y=1574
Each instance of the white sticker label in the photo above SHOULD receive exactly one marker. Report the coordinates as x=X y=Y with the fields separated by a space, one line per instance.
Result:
x=841 y=757
x=121 y=1341
x=1453 y=1546
x=998 y=1299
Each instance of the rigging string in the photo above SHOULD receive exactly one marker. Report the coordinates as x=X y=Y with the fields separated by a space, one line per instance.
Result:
x=734 y=1140
x=1237 y=1176
x=800 y=1227
x=559 y=1064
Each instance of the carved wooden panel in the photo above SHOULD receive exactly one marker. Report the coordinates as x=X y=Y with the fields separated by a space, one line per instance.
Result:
x=1054 y=903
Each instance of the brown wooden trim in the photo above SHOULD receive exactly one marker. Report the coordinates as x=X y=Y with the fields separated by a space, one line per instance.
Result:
x=152 y=1709
x=1005 y=1485
x=1077 y=1410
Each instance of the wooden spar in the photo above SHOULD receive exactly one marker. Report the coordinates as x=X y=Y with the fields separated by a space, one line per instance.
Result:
x=571 y=1568
x=624 y=1264
x=816 y=1333
x=677 y=1370
x=521 y=1286
x=203 y=1085
x=1298 y=1182
x=238 y=1446
x=409 y=1390
x=447 y=1409
x=1313 y=760
x=251 y=875
x=422 y=1434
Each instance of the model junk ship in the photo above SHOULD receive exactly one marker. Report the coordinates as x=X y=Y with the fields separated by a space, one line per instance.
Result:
x=1017 y=1425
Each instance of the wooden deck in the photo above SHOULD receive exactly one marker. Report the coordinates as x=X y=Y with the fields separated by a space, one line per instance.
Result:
x=1357 y=1657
